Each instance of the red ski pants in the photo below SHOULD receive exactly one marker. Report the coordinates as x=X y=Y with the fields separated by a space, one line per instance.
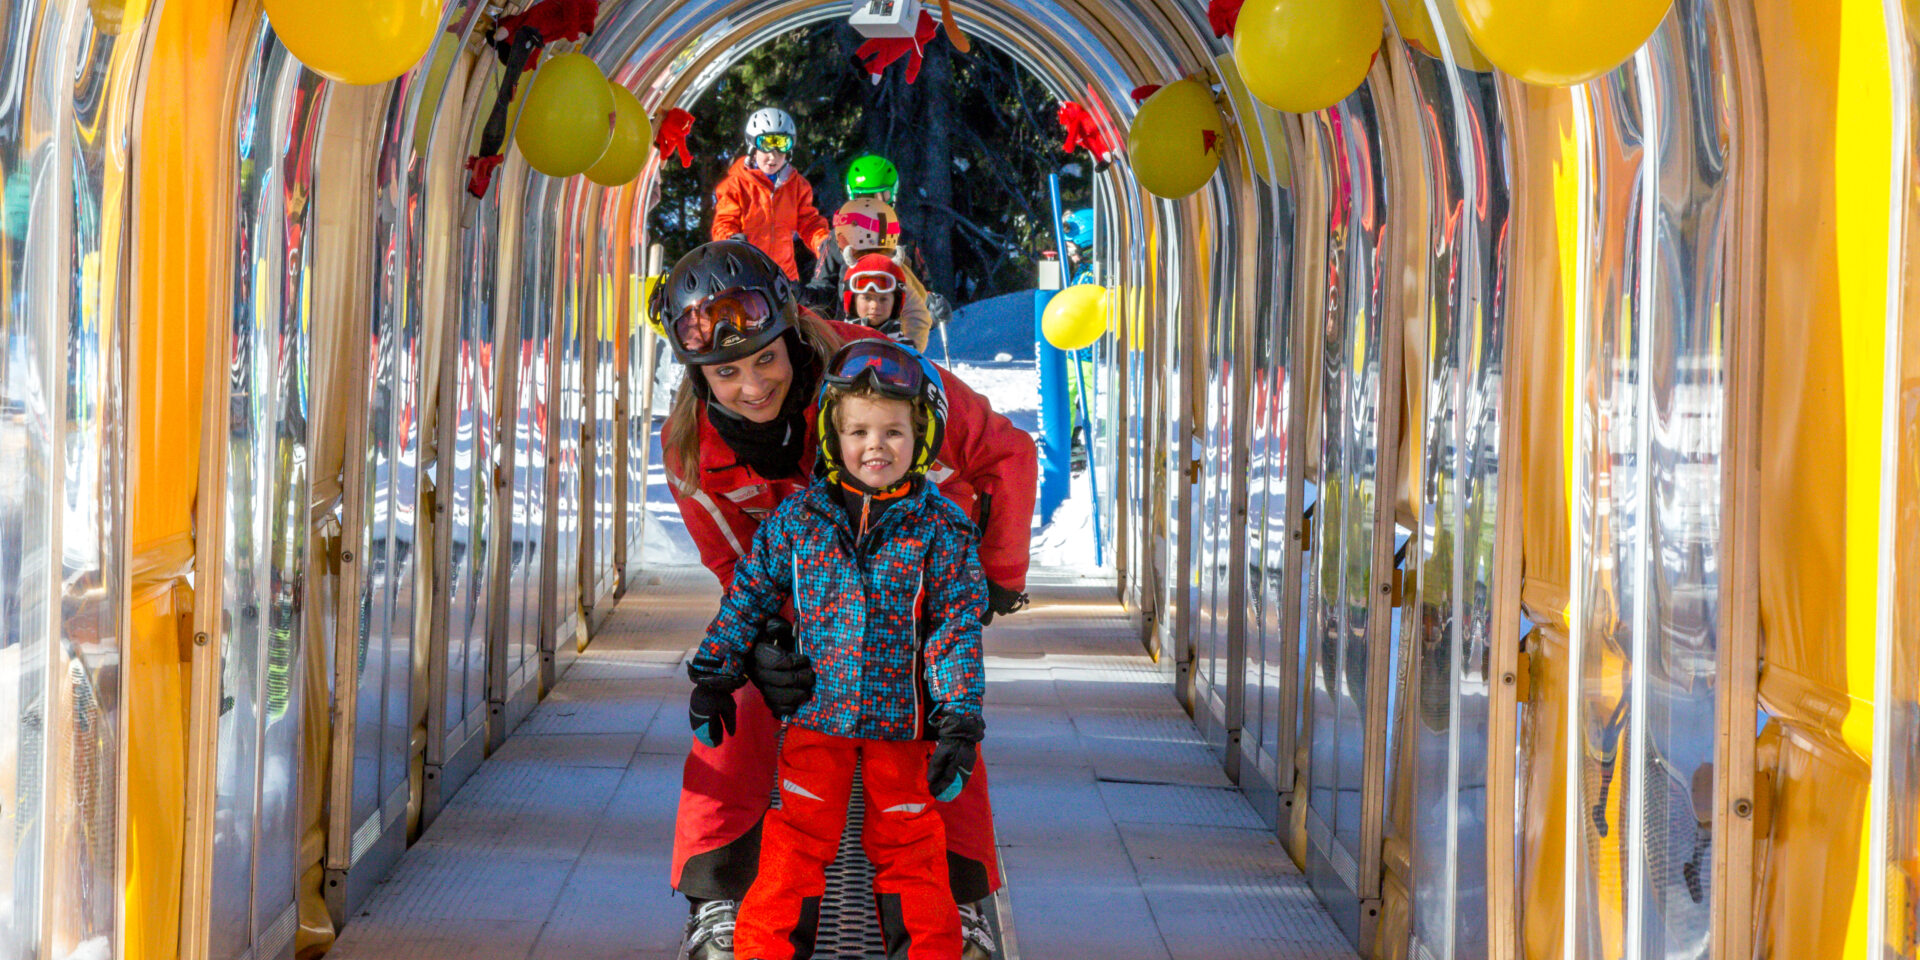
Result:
x=725 y=791
x=901 y=833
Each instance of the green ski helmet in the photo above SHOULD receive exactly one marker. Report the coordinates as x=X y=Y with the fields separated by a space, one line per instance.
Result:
x=871 y=174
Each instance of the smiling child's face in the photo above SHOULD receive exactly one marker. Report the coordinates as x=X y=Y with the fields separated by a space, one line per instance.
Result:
x=876 y=439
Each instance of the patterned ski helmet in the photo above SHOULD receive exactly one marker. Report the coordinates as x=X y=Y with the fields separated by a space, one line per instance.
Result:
x=865 y=224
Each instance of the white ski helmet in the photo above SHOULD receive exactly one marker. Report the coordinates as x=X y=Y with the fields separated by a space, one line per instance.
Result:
x=769 y=120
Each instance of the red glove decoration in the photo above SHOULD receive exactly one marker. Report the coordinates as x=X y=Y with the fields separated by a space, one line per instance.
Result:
x=1222 y=15
x=1143 y=91
x=1083 y=132
x=879 y=53
x=675 y=124
x=553 y=20
x=483 y=168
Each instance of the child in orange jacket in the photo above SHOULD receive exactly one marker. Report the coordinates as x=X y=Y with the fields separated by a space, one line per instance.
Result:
x=764 y=200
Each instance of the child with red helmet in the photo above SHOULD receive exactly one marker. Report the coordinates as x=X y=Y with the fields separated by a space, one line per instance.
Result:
x=873 y=292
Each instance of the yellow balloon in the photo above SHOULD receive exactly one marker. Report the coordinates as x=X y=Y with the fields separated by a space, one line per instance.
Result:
x=1416 y=28
x=1175 y=142
x=568 y=118
x=1306 y=55
x=1075 y=317
x=1561 y=42
x=356 y=41
x=632 y=139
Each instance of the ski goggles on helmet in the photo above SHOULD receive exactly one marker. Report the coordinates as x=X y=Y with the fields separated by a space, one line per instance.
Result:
x=775 y=142
x=729 y=313
x=873 y=281
x=883 y=363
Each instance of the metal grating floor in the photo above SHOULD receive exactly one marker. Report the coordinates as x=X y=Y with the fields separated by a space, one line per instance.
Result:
x=1114 y=822
x=849 y=925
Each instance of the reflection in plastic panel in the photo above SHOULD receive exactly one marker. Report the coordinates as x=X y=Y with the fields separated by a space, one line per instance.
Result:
x=62 y=469
x=605 y=400
x=256 y=836
x=467 y=411
x=568 y=417
x=1352 y=349
x=83 y=667
x=1267 y=735
x=391 y=483
x=531 y=424
x=1896 y=820
x=1468 y=195
x=1214 y=533
x=1649 y=457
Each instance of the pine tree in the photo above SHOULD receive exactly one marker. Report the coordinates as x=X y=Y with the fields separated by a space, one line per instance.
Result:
x=974 y=139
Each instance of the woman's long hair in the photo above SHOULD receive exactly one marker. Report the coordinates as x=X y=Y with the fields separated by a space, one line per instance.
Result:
x=680 y=435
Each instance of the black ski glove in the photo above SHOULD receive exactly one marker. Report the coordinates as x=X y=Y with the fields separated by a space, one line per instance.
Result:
x=1002 y=601
x=954 y=752
x=710 y=710
x=784 y=677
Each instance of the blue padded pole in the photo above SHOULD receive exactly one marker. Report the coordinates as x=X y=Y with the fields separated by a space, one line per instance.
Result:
x=1055 y=428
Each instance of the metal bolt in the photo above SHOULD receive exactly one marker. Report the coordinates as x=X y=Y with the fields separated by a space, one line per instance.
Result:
x=1507 y=678
x=201 y=639
x=1743 y=808
x=346 y=556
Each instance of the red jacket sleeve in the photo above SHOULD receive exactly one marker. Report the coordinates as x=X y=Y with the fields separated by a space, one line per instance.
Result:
x=807 y=221
x=998 y=459
x=728 y=210
x=719 y=528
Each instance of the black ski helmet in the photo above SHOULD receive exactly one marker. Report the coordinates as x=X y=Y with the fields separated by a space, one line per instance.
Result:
x=708 y=271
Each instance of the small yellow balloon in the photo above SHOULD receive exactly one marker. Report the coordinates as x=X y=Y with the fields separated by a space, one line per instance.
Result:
x=1175 y=142
x=632 y=139
x=1416 y=28
x=568 y=118
x=356 y=41
x=1075 y=317
x=1563 y=42
x=1306 y=55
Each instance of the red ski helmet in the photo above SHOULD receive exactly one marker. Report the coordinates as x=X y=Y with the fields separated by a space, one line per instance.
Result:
x=874 y=273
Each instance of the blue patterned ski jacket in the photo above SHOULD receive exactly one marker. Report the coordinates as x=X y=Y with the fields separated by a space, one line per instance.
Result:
x=892 y=623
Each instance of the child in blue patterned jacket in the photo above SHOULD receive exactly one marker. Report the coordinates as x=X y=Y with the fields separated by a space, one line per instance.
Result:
x=884 y=576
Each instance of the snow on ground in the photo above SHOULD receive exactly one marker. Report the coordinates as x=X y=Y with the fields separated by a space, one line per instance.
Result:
x=1067 y=542
x=1011 y=387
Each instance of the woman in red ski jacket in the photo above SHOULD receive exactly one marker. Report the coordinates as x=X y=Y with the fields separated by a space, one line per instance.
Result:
x=738 y=440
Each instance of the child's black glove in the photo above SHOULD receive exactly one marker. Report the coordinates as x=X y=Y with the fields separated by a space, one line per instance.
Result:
x=954 y=753
x=711 y=708
x=784 y=677
x=1002 y=601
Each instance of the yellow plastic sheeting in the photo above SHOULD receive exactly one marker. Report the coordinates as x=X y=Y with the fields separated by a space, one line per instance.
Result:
x=177 y=183
x=1543 y=868
x=1547 y=189
x=1828 y=100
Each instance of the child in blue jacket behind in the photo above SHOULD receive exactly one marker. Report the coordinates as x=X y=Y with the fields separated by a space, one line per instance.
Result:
x=884 y=576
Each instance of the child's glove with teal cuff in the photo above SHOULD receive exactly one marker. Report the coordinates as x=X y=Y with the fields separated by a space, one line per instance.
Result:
x=954 y=752
x=711 y=709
